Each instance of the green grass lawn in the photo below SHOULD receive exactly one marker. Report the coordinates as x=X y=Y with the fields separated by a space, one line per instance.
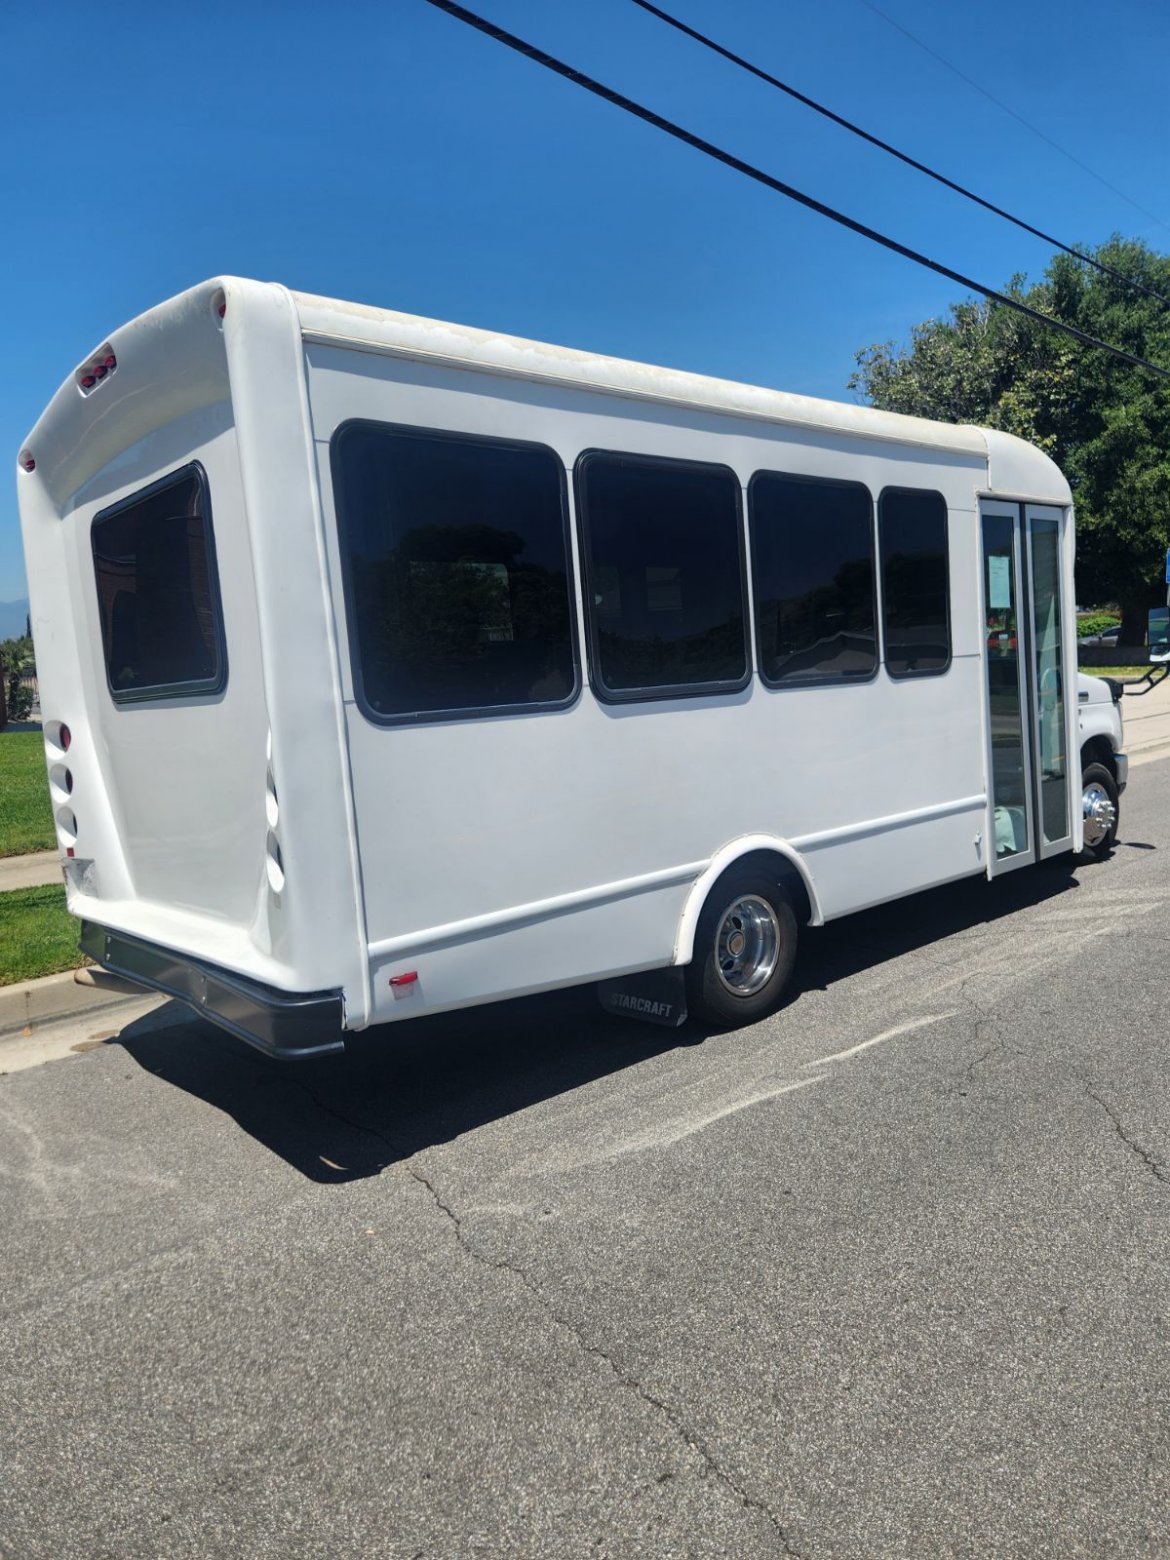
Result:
x=38 y=936
x=1115 y=671
x=26 y=815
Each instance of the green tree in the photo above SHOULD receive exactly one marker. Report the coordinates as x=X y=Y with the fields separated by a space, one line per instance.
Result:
x=1105 y=423
x=16 y=659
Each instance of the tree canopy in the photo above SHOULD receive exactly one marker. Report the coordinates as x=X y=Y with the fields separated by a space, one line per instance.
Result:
x=1105 y=423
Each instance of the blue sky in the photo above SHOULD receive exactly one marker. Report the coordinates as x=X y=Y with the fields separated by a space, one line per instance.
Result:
x=383 y=153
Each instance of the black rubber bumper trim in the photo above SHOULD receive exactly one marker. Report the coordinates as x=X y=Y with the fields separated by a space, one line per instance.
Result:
x=287 y=1025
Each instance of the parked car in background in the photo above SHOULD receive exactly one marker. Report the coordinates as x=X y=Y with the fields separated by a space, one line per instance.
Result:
x=1107 y=636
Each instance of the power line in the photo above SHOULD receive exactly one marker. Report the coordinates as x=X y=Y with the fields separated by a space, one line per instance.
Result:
x=1007 y=109
x=580 y=79
x=911 y=162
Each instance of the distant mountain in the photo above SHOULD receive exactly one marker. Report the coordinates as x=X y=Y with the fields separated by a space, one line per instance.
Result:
x=13 y=617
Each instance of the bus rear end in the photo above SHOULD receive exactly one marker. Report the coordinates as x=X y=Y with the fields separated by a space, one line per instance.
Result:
x=145 y=620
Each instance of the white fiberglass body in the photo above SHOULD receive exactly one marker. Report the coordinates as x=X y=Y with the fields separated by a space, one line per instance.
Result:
x=264 y=822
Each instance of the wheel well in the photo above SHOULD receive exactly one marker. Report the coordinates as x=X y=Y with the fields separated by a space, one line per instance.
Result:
x=1099 y=750
x=772 y=864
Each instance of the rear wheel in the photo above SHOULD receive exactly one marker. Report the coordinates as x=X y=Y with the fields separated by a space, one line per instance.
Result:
x=745 y=947
x=1100 y=804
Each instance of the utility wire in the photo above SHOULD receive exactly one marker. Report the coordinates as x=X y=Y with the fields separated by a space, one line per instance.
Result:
x=911 y=162
x=1019 y=118
x=580 y=79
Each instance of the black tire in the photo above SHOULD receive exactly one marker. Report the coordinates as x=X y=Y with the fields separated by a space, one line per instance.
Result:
x=1095 y=779
x=766 y=916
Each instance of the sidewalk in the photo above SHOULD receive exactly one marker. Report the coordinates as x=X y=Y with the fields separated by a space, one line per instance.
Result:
x=44 y=866
x=1147 y=724
x=41 y=1020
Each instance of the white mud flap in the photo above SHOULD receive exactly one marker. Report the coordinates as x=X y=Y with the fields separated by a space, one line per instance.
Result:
x=658 y=997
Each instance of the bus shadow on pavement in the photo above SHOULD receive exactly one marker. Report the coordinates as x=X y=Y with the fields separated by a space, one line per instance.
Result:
x=401 y=1089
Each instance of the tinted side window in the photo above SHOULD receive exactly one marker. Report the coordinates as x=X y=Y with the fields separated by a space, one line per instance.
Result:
x=912 y=539
x=664 y=575
x=158 y=592
x=813 y=578
x=455 y=556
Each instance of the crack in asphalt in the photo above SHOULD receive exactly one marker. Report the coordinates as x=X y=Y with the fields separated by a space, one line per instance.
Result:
x=980 y=1018
x=396 y=1149
x=1155 y=1166
x=630 y=1383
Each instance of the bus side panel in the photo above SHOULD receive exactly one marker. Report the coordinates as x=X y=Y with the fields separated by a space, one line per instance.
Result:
x=474 y=832
x=541 y=954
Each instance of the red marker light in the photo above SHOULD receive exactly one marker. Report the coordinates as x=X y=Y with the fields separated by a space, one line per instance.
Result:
x=404 y=980
x=88 y=381
x=69 y=851
x=29 y=463
x=66 y=738
x=110 y=361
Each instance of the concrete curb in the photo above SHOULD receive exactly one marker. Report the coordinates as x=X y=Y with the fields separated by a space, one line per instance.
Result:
x=33 y=1004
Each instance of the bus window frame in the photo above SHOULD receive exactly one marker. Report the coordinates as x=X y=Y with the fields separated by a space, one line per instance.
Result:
x=820 y=680
x=192 y=689
x=932 y=671
x=459 y=712
x=657 y=693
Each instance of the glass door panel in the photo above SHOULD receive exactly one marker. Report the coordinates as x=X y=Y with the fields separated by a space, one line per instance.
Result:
x=1011 y=842
x=1049 y=683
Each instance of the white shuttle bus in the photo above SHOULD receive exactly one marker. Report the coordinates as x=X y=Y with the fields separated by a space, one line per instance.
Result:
x=390 y=666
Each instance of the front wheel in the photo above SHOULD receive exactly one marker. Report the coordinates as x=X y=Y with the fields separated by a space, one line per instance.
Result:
x=745 y=947
x=1100 y=803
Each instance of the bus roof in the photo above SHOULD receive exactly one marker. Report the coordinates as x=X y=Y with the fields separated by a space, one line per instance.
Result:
x=71 y=440
x=409 y=335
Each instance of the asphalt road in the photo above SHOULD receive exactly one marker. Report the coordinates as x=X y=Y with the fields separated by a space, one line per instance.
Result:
x=883 y=1276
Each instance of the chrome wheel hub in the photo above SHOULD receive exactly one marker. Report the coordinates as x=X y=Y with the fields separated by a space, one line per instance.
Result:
x=1100 y=813
x=747 y=945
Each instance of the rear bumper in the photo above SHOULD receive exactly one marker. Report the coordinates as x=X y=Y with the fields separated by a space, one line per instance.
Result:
x=282 y=1024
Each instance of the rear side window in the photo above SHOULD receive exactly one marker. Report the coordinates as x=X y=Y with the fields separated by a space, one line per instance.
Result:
x=916 y=611
x=664 y=581
x=158 y=592
x=813 y=577
x=455 y=559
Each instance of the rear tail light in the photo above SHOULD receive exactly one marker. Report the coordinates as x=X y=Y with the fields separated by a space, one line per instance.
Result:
x=99 y=367
x=66 y=738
